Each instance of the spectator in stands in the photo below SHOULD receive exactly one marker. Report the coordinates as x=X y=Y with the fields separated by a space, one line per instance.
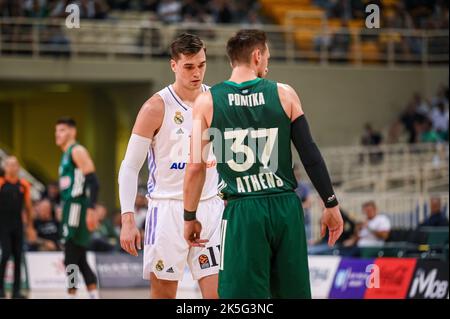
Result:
x=221 y=11
x=47 y=228
x=190 y=10
x=169 y=11
x=339 y=9
x=370 y=136
x=149 y=5
x=121 y=4
x=426 y=133
x=439 y=117
x=36 y=9
x=375 y=230
x=340 y=43
x=409 y=118
x=437 y=216
x=58 y=8
x=104 y=238
x=52 y=193
x=441 y=96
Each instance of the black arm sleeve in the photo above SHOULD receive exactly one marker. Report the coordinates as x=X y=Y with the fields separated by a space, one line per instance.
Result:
x=92 y=188
x=312 y=160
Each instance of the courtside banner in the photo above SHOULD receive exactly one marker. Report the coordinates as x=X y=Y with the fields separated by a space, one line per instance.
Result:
x=322 y=270
x=390 y=278
x=351 y=279
x=430 y=280
x=46 y=270
x=120 y=271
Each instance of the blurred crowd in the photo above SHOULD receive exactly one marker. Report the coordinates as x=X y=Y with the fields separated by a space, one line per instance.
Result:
x=168 y=11
x=403 y=14
x=423 y=120
x=374 y=230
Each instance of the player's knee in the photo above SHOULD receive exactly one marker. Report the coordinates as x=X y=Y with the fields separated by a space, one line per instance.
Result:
x=161 y=288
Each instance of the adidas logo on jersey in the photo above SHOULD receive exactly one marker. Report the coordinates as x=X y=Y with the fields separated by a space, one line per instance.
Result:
x=180 y=131
x=170 y=270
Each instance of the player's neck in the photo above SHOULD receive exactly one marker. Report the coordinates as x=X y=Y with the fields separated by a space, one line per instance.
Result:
x=186 y=95
x=66 y=146
x=11 y=177
x=242 y=73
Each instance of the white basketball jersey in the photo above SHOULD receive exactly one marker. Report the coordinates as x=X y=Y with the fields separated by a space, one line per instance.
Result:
x=169 y=152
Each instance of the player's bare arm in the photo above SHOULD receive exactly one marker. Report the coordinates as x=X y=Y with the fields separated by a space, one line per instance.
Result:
x=313 y=162
x=194 y=178
x=83 y=161
x=147 y=123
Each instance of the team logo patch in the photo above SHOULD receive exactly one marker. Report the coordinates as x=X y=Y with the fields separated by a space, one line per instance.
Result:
x=178 y=118
x=204 y=261
x=159 y=265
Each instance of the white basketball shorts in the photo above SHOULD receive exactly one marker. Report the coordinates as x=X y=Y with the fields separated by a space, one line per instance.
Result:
x=165 y=249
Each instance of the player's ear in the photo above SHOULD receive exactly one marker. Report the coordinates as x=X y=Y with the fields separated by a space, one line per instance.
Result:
x=173 y=64
x=258 y=56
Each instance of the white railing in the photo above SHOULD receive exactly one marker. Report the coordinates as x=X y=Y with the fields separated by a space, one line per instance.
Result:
x=144 y=39
x=407 y=167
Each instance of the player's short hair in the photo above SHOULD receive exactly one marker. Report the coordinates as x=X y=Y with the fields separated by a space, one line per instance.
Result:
x=369 y=203
x=242 y=44
x=67 y=121
x=187 y=44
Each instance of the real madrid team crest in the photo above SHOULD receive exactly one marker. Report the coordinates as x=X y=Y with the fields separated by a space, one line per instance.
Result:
x=178 y=118
x=159 y=265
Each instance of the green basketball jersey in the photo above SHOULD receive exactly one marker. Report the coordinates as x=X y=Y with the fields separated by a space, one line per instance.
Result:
x=71 y=178
x=251 y=136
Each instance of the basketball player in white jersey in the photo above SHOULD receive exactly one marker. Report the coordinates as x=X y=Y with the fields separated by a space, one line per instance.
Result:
x=162 y=130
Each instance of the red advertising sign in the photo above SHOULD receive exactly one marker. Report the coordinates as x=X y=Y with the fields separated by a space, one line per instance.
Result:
x=390 y=278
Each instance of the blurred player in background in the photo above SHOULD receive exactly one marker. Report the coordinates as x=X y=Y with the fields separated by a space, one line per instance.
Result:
x=264 y=249
x=79 y=191
x=162 y=131
x=15 y=194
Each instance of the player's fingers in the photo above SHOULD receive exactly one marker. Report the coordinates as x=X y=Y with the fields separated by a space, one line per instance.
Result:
x=138 y=240
x=323 y=229
x=331 y=238
x=201 y=241
x=124 y=245
x=334 y=236
x=129 y=247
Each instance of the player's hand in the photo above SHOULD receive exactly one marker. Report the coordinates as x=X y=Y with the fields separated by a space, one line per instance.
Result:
x=130 y=237
x=332 y=219
x=192 y=230
x=92 y=221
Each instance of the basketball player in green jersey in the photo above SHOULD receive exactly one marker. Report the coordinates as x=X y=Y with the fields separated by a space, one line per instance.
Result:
x=79 y=190
x=253 y=121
